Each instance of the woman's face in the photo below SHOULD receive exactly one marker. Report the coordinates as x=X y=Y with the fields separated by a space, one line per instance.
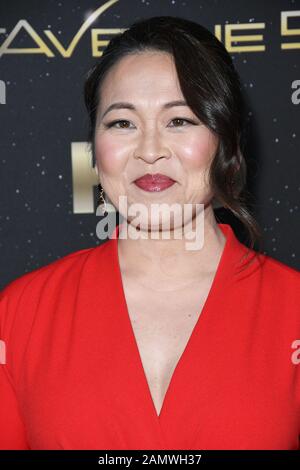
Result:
x=151 y=138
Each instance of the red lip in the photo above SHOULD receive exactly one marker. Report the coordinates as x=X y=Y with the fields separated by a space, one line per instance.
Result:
x=154 y=182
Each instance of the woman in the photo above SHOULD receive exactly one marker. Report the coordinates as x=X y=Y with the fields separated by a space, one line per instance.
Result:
x=141 y=343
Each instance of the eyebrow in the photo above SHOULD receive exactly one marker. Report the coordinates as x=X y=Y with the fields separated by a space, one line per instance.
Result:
x=125 y=105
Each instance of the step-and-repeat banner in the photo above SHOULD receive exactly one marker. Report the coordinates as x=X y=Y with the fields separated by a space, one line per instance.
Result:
x=48 y=186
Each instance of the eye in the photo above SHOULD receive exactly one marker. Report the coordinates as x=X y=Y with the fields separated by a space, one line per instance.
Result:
x=113 y=124
x=182 y=119
x=177 y=119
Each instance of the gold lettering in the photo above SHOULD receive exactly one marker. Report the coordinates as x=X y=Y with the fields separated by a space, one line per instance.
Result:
x=42 y=49
x=229 y=38
x=83 y=28
x=97 y=43
x=218 y=32
x=84 y=178
x=285 y=31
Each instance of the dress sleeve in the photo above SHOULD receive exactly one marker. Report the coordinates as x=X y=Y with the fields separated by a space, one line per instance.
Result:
x=12 y=430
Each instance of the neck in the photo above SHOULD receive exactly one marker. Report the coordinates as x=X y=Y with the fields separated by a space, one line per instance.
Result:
x=164 y=260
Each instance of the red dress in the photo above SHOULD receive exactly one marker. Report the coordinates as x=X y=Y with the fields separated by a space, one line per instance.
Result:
x=73 y=377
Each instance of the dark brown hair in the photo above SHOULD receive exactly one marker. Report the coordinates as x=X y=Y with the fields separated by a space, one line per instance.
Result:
x=212 y=89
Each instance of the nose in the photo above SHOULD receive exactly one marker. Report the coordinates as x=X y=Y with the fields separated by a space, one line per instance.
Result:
x=151 y=148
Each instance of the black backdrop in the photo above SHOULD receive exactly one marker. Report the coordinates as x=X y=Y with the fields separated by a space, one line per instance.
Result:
x=46 y=212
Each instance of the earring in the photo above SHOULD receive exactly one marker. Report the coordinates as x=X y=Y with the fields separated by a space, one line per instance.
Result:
x=102 y=200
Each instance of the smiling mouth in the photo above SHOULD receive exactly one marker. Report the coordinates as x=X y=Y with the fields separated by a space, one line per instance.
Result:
x=154 y=182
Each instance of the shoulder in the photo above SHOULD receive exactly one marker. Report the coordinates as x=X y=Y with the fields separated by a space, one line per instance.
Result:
x=24 y=291
x=39 y=274
x=279 y=282
x=278 y=271
x=270 y=277
x=31 y=303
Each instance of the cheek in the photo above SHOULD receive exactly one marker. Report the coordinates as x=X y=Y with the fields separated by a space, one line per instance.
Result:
x=109 y=156
x=199 y=149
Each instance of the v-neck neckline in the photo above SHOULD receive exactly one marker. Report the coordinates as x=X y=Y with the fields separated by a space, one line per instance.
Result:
x=223 y=275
